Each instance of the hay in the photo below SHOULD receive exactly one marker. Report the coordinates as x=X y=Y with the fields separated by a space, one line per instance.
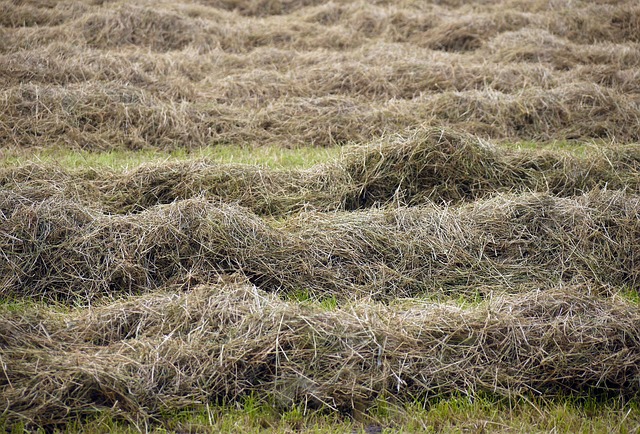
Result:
x=89 y=116
x=95 y=117
x=62 y=251
x=160 y=353
x=142 y=26
x=297 y=73
x=421 y=204
x=428 y=165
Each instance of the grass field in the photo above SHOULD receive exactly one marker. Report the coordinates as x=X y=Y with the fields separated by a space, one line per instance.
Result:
x=319 y=216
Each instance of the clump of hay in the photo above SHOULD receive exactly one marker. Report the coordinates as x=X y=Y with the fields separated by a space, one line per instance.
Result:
x=465 y=33
x=598 y=22
x=96 y=117
x=166 y=352
x=573 y=112
x=263 y=191
x=438 y=165
x=142 y=26
x=19 y=14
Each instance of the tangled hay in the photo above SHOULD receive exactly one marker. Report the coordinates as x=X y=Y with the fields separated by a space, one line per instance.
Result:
x=299 y=73
x=183 y=269
x=106 y=117
x=165 y=352
x=95 y=117
x=62 y=251
x=429 y=165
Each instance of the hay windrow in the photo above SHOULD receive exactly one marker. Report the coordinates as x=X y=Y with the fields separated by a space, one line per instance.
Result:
x=427 y=166
x=113 y=116
x=61 y=251
x=300 y=73
x=166 y=352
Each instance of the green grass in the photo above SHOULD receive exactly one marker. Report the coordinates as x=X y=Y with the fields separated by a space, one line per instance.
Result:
x=269 y=156
x=454 y=414
x=305 y=297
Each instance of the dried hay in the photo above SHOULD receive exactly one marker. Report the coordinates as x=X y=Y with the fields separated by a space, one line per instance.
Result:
x=146 y=356
x=598 y=23
x=63 y=251
x=142 y=26
x=90 y=116
x=393 y=218
x=294 y=73
x=429 y=165
x=112 y=116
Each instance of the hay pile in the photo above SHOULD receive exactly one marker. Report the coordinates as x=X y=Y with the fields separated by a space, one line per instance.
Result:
x=165 y=352
x=57 y=250
x=104 y=75
x=427 y=166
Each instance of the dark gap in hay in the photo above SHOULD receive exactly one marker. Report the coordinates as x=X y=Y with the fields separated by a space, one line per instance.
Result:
x=261 y=8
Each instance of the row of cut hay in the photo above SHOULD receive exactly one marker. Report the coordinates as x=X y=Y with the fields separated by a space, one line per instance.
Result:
x=169 y=76
x=112 y=116
x=569 y=112
x=431 y=165
x=42 y=13
x=541 y=47
x=165 y=26
x=436 y=165
x=389 y=77
x=97 y=116
x=55 y=250
x=162 y=29
x=377 y=72
x=165 y=352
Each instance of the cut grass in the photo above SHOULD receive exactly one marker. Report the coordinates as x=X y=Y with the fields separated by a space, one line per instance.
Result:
x=522 y=260
x=271 y=156
x=426 y=166
x=61 y=250
x=152 y=356
x=186 y=74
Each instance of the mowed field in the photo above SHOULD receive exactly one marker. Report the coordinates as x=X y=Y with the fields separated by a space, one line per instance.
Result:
x=328 y=216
